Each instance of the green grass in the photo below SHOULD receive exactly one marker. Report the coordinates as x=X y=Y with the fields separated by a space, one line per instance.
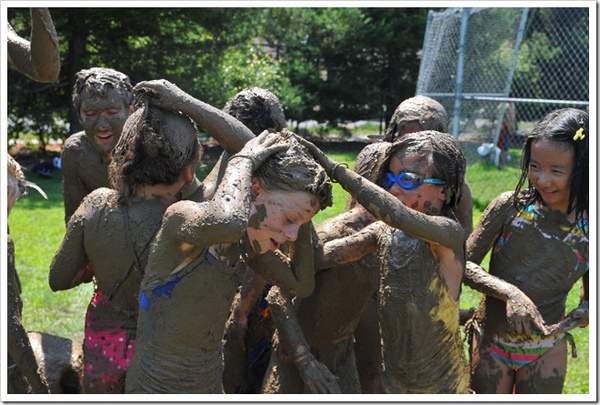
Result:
x=37 y=227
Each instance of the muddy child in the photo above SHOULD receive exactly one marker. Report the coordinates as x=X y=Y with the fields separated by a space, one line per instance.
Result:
x=420 y=248
x=107 y=237
x=538 y=237
x=414 y=114
x=103 y=100
x=269 y=190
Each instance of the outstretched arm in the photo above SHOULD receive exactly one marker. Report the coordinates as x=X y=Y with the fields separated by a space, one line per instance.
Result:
x=347 y=249
x=227 y=130
x=389 y=209
x=38 y=59
x=318 y=378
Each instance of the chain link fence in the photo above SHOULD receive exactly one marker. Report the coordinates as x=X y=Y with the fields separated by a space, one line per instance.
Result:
x=498 y=71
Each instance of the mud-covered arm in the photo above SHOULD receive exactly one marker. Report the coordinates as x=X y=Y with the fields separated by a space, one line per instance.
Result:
x=293 y=271
x=19 y=347
x=227 y=130
x=224 y=218
x=347 y=249
x=38 y=59
x=578 y=317
x=489 y=227
x=74 y=190
x=522 y=314
x=464 y=209
x=315 y=374
x=70 y=265
x=389 y=209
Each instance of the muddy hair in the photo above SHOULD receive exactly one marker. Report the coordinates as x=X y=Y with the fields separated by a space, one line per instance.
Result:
x=429 y=113
x=155 y=147
x=569 y=127
x=445 y=157
x=98 y=80
x=295 y=169
x=258 y=109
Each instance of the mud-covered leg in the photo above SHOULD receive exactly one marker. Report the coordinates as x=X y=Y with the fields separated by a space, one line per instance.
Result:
x=546 y=375
x=489 y=375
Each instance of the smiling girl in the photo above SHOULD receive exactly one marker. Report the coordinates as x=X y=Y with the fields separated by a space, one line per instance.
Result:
x=538 y=235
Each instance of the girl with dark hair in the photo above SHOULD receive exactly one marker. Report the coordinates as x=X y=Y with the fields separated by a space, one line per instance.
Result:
x=420 y=248
x=538 y=237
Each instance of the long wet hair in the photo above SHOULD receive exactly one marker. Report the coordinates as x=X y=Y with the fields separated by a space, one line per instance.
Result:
x=155 y=147
x=98 y=80
x=258 y=109
x=570 y=128
x=295 y=169
x=445 y=157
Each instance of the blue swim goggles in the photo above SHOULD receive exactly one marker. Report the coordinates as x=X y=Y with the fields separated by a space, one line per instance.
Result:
x=408 y=180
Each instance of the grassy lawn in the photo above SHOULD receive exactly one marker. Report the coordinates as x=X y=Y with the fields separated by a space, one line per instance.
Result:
x=37 y=227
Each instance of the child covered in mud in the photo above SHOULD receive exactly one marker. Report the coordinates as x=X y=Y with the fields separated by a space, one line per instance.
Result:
x=103 y=100
x=538 y=235
x=107 y=237
x=418 y=113
x=23 y=370
x=269 y=190
x=420 y=247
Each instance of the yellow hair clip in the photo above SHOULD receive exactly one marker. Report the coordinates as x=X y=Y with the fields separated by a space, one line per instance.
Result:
x=579 y=134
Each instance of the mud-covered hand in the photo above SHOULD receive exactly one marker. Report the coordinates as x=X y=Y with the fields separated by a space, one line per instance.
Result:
x=327 y=163
x=522 y=314
x=578 y=317
x=260 y=148
x=161 y=93
x=316 y=375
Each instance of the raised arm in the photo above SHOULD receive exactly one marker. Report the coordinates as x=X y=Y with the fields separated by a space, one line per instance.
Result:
x=227 y=130
x=38 y=59
x=389 y=209
x=224 y=218
x=315 y=374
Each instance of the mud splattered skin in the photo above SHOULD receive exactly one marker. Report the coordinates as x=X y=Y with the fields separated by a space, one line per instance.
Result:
x=545 y=278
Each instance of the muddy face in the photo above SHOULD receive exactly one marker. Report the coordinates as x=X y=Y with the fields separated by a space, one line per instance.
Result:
x=102 y=118
x=426 y=198
x=276 y=217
